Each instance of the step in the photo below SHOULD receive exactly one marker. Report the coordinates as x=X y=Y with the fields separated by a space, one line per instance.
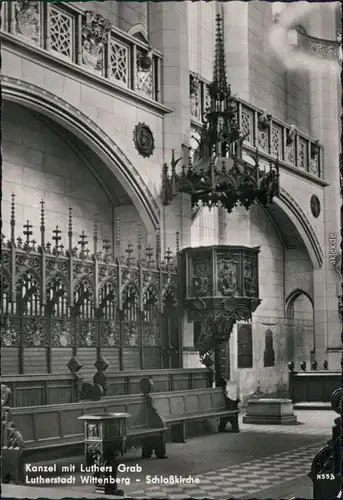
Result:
x=312 y=405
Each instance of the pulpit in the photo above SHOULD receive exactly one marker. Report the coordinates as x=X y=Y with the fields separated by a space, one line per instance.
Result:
x=104 y=438
x=219 y=286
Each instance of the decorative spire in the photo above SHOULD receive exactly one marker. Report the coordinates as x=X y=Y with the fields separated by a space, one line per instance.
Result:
x=57 y=237
x=118 y=242
x=219 y=67
x=106 y=245
x=95 y=233
x=83 y=242
x=220 y=131
x=27 y=232
x=139 y=242
x=70 y=229
x=42 y=224
x=158 y=245
x=12 y=218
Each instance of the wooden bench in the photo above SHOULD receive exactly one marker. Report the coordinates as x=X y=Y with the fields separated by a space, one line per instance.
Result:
x=179 y=407
x=49 y=389
x=53 y=431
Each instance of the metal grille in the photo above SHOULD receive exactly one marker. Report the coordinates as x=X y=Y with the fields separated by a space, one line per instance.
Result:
x=61 y=32
x=119 y=62
x=302 y=154
x=276 y=140
x=247 y=125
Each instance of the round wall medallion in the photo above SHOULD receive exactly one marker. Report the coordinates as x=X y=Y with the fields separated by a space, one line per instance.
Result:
x=144 y=140
x=315 y=205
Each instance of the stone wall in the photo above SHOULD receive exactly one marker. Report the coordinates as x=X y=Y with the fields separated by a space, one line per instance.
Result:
x=298 y=271
x=282 y=93
x=107 y=109
x=271 y=269
x=41 y=164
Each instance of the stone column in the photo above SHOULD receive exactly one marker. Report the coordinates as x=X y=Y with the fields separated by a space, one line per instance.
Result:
x=169 y=34
x=325 y=125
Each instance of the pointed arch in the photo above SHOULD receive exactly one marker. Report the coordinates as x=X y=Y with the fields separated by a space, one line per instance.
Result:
x=72 y=119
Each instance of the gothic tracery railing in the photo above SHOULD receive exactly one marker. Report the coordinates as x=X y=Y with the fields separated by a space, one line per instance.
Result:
x=60 y=303
x=86 y=39
x=272 y=137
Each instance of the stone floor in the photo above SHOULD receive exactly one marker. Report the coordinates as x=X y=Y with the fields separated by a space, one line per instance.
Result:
x=260 y=462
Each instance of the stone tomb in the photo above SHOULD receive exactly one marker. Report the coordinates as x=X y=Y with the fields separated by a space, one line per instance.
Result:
x=270 y=411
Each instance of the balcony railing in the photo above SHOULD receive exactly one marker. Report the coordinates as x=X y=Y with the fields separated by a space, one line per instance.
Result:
x=326 y=49
x=273 y=138
x=87 y=40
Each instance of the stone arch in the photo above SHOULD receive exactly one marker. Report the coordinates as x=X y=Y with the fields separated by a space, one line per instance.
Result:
x=297 y=216
x=304 y=227
x=291 y=299
x=86 y=130
x=139 y=31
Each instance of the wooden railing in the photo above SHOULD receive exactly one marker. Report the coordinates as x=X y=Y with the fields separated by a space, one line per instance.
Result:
x=272 y=137
x=85 y=39
x=38 y=390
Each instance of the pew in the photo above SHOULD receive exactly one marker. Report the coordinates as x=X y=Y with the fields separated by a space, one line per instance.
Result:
x=40 y=389
x=52 y=432
x=180 y=407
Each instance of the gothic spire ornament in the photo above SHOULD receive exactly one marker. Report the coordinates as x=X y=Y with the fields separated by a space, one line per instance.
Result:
x=221 y=177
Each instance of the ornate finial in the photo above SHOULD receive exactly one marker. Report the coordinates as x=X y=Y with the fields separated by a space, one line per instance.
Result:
x=70 y=221
x=95 y=227
x=42 y=223
x=168 y=256
x=158 y=245
x=106 y=245
x=27 y=232
x=70 y=229
x=57 y=238
x=95 y=234
x=129 y=251
x=12 y=217
x=219 y=66
x=139 y=241
x=177 y=242
x=83 y=242
x=42 y=215
x=118 y=241
x=149 y=252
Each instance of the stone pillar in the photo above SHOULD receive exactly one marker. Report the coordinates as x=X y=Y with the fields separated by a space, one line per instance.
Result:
x=169 y=34
x=324 y=99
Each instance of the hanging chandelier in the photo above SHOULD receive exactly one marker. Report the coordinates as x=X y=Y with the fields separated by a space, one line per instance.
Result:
x=220 y=176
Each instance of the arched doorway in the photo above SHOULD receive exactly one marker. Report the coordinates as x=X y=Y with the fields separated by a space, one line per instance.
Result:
x=300 y=326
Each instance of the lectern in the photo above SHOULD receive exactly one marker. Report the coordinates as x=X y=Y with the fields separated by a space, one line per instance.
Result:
x=104 y=438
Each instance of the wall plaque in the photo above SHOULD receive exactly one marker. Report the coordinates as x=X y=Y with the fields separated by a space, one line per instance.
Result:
x=144 y=140
x=315 y=206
